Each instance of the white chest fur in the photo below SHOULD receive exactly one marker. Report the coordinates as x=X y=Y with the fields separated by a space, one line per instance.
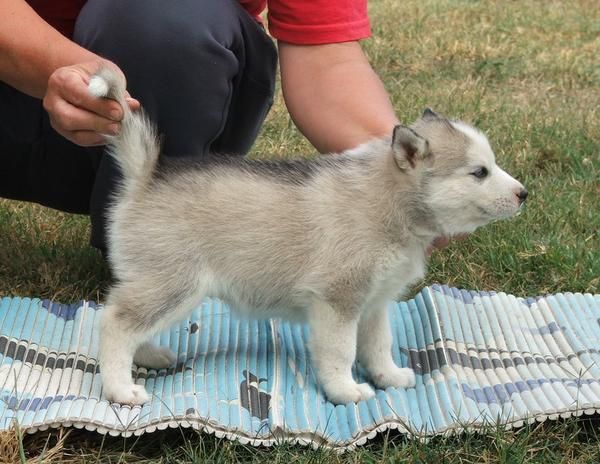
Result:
x=398 y=269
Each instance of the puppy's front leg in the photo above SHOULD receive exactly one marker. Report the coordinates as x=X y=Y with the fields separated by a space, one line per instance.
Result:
x=333 y=350
x=375 y=350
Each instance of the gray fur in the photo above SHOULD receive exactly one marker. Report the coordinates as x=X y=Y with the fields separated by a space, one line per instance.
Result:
x=328 y=241
x=291 y=171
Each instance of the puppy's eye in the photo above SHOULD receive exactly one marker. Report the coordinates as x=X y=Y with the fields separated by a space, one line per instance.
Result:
x=480 y=173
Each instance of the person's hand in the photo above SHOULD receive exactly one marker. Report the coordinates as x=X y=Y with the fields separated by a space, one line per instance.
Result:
x=74 y=113
x=443 y=242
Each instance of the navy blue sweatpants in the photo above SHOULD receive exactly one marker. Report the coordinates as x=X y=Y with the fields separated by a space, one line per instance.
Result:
x=203 y=70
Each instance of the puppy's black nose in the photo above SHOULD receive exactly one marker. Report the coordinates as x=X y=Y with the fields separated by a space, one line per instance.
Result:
x=522 y=195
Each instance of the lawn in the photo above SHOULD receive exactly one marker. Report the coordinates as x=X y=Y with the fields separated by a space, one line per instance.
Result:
x=528 y=74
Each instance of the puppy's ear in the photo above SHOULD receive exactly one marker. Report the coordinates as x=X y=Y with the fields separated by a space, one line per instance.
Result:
x=408 y=147
x=428 y=113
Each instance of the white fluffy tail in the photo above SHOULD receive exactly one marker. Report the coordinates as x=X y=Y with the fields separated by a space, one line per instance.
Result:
x=136 y=147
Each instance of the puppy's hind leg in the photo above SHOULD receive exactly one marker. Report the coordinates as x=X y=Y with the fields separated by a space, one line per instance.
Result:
x=333 y=349
x=130 y=318
x=119 y=340
x=154 y=357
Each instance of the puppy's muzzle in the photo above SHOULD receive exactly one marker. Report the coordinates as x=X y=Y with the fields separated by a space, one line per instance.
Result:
x=522 y=196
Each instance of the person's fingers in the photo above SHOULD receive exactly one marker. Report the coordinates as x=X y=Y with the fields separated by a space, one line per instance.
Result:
x=133 y=104
x=441 y=242
x=75 y=113
x=72 y=87
x=67 y=119
x=85 y=138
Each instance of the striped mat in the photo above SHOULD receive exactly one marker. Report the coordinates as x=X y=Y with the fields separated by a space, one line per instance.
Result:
x=480 y=358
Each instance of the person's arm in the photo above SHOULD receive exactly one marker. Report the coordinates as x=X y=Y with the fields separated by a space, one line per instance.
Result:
x=31 y=50
x=336 y=99
x=333 y=95
x=38 y=60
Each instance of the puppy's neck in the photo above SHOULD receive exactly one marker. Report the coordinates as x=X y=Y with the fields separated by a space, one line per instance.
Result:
x=407 y=214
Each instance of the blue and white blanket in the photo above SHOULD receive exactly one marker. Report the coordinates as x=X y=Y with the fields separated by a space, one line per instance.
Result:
x=480 y=358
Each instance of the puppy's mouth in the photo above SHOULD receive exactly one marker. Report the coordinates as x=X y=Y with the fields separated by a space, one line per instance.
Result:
x=485 y=214
x=488 y=215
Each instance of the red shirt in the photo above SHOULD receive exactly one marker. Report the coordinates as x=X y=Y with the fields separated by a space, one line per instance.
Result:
x=294 y=21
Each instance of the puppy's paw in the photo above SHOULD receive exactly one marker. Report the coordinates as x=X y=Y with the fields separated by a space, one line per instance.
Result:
x=395 y=377
x=130 y=394
x=154 y=357
x=348 y=392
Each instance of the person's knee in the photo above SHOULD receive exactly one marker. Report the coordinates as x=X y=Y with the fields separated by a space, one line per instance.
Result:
x=150 y=33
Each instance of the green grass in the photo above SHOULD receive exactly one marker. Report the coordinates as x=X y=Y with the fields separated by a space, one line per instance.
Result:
x=573 y=441
x=528 y=74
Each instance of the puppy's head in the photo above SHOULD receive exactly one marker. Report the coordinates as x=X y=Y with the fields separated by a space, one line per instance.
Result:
x=462 y=185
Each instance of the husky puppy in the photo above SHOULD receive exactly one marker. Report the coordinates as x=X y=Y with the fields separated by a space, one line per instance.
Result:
x=329 y=241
